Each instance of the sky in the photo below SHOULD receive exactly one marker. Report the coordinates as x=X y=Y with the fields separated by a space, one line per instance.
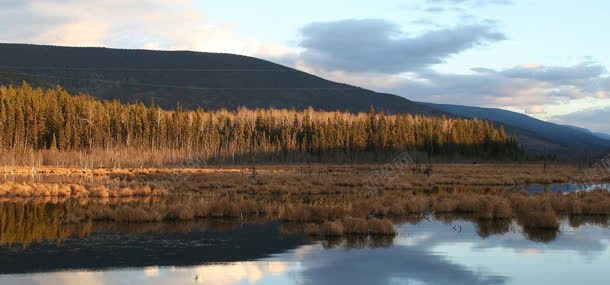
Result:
x=547 y=59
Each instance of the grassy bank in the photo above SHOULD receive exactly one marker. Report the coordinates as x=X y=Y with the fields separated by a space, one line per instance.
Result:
x=323 y=201
x=321 y=216
x=299 y=179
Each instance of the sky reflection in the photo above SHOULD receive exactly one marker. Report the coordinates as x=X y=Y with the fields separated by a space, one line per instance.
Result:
x=425 y=253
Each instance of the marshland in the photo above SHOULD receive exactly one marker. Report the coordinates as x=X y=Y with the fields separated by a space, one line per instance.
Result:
x=326 y=200
x=420 y=142
x=92 y=186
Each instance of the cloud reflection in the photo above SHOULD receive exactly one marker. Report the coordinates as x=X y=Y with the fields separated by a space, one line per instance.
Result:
x=429 y=253
x=215 y=274
x=385 y=266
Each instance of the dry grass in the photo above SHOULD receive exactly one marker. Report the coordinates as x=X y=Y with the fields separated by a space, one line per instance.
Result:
x=355 y=226
x=351 y=227
x=327 y=200
x=99 y=189
x=482 y=206
x=535 y=212
x=381 y=227
x=55 y=218
x=492 y=207
x=116 y=157
x=315 y=178
x=304 y=208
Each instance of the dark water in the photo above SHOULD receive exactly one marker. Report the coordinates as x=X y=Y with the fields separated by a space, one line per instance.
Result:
x=428 y=252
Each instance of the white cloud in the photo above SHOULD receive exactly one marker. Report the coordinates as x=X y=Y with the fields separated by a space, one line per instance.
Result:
x=154 y=24
x=372 y=80
x=151 y=271
x=534 y=110
x=226 y=274
x=376 y=45
x=387 y=59
x=594 y=118
x=525 y=87
x=213 y=274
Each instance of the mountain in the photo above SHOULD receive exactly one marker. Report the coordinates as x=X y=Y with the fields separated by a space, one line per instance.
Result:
x=599 y=135
x=578 y=128
x=603 y=136
x=543 y=136
x=216 y=81
x=191 y=79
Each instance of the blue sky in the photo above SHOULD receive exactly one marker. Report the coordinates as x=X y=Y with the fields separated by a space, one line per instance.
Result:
x=538 y=31
x=548 y=59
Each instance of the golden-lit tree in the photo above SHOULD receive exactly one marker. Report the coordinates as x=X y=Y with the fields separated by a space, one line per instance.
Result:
x=34 y=119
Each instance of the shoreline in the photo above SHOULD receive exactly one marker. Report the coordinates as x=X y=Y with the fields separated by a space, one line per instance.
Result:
x=325 y=200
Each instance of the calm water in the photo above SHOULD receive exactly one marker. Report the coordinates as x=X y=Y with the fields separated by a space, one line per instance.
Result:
x=564 y=187
x=429 y=252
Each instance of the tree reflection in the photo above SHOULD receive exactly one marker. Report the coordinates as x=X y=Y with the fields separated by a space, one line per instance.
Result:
x=26 y=222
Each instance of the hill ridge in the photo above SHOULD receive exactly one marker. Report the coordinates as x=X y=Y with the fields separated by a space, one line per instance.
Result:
x=227 y=81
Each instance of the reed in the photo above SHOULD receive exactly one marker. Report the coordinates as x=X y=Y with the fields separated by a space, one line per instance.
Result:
x=180 y=212
x=299 y=178
x=532 y=212
x=290 y=193
x=493 y=207
x=381 y=227
x=355 y=226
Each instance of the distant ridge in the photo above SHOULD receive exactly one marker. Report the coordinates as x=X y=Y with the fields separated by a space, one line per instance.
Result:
x=217 y=80
x=559 y=135
x=603 y=136
x=192 y=79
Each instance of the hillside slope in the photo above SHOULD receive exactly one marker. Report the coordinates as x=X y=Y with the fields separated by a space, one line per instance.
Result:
x=602 y=135
x=214 y=81
x=559 y=135
x=192 y=79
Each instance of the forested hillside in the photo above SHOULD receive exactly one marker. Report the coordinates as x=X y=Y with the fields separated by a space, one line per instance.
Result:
x=214 y=81
x=211 y=81
x=564 y=136
x=34 y=119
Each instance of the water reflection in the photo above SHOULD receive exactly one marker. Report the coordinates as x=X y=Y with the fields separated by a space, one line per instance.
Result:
x=429 y=252
x=207 y=242
x=40 y=244
x=24 y=223
x=564 y=187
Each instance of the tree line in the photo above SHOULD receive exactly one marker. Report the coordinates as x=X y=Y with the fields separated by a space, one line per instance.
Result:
x=34 y=119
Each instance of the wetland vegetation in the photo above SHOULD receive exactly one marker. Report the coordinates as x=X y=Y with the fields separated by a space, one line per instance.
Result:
x=321 y=201
x=75 y=169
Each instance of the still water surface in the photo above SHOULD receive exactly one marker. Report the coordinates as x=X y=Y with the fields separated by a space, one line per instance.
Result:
x=564 y=187
x=428 y=252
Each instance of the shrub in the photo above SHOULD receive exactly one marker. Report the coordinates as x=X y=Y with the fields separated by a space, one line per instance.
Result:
x=355 y=226
x=381 y=227
x=539 y=220
x=416 y=204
